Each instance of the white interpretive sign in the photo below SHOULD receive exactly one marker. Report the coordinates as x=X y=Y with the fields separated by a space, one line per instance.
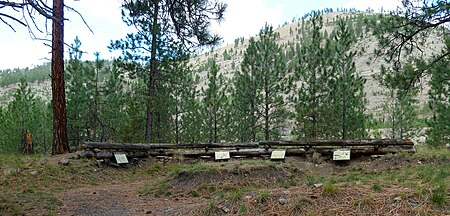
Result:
x=278 y=154
x=121 y=158
x=341 y=154
x=224 y=155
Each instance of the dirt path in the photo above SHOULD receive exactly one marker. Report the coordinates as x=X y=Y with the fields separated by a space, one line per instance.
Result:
x=122 y=199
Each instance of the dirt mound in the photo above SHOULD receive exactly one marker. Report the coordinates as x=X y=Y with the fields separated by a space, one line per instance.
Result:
x=238 y=177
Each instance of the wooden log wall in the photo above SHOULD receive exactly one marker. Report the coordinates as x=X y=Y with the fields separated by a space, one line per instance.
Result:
x=103 y=150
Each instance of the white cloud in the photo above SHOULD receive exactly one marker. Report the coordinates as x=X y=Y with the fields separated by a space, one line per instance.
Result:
x=376 y=5
x=246 y=18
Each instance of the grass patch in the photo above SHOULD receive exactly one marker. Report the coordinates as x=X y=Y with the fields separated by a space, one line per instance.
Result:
x=330 y=189
x=364 y=201
x=243 y=208
x=424 y=152
x=299 y=204
x=376 y=188
x=263 y=197
x=291 y=182
x=235 y=195
x=439 y=195
x=211 y=207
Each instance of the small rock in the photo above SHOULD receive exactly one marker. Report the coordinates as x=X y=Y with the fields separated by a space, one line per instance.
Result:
x=318 y=185
x=33 y=172
x=248 y=197
x=100 y=162
x=64 y=161
x=225 y=209
x=316 y=158
x=397 y=199
x=419 y=162
x=286 y=192
x=282 y=200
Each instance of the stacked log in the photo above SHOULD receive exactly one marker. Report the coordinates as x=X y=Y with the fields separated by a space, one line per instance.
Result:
x=104 y=150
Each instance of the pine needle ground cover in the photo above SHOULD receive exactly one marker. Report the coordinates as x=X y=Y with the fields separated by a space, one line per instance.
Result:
x=392 y=184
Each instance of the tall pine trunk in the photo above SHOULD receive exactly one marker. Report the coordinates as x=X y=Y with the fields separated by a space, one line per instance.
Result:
x=60 y=145
x=152 y=73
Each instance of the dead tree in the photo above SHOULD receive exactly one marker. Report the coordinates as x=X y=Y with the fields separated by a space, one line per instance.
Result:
x=28 y=145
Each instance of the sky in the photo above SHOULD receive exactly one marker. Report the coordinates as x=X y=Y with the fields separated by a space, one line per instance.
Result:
x=243 y=18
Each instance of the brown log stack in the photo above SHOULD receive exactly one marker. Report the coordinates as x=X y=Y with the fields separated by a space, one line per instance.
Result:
x=102 y=150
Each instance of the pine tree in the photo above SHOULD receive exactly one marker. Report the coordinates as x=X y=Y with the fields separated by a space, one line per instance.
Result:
x=182 y=85
x=259 y=88
x=439 y=124
x=214 y=104
x=131 y=129
x=78 y=96
x=113 y=103
x=312 y=79
x=192 y=118
x=400 y=105
x=243 y=102
x=60 y=142
x=25 y=111
x=347 y=87
x=244 y=96
x=163 y=26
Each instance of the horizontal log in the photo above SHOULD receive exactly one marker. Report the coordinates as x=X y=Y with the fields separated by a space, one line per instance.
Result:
x=343 y=143
x=369 y=151
x=265 y=144
x=251 y=152
x=136 y=146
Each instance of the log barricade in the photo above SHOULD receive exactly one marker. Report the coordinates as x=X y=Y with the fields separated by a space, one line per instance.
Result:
x=104 y=150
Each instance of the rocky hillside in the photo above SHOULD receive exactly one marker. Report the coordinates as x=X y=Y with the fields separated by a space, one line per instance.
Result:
x=230 y=56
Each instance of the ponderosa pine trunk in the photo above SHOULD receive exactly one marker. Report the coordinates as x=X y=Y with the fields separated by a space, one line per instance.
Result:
x=152 y=73
x=60 y=144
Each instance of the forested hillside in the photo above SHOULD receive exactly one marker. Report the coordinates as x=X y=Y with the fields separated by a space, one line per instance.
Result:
x=315 y=78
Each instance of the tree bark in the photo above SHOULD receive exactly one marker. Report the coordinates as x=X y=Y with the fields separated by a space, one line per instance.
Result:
x=151 y=74
x=60 y=144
